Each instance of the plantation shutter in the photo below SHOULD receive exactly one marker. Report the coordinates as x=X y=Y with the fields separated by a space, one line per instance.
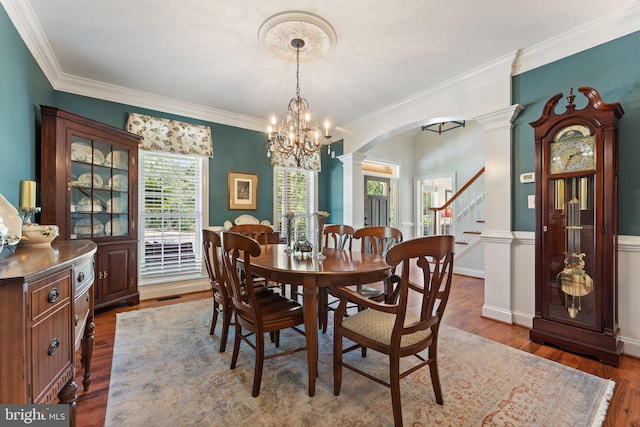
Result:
x=171 y=214
x=295 y=193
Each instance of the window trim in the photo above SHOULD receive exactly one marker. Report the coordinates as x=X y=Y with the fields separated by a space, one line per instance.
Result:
x=204 y=222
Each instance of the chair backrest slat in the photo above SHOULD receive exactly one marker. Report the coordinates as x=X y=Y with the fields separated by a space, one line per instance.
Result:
x=212 y=246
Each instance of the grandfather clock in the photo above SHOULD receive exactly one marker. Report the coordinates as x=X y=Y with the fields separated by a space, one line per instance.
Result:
x=576 y=162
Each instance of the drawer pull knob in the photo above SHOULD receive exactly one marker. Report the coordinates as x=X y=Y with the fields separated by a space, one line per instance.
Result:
x=81 y=276
x=53 y=295
x=53 y=346
x=77 y=320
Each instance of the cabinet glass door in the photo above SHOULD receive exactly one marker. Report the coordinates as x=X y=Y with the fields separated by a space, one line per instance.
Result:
x=99 y=189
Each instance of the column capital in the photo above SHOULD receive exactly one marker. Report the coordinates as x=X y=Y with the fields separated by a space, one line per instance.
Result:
x=501 y=118
x=352 y=158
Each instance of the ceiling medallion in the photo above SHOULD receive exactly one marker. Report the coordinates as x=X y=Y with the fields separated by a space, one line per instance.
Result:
x=277 y=32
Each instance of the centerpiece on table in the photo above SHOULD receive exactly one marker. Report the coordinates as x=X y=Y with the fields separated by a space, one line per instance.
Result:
x=321 y=219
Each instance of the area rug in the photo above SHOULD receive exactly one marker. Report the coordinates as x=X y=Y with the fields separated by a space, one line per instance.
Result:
x=167 y=371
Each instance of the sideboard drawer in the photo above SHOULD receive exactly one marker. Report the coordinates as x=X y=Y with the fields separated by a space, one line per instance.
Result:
x=81 y=308
x=82 y=277
x=52 y=352
x=47 y=295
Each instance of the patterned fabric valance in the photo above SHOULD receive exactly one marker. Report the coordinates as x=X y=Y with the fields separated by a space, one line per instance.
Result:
x=171 y=135
x=310 y=162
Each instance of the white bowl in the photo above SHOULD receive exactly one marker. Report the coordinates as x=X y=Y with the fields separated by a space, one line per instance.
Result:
x=38 y=235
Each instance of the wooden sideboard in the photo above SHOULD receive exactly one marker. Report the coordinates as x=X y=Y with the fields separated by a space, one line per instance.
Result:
x=46 y=315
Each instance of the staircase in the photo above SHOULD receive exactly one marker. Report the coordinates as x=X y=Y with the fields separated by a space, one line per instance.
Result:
x=463 y=215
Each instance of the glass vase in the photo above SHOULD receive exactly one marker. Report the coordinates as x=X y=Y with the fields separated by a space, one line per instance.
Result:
x=289 y=229
x=319 y=232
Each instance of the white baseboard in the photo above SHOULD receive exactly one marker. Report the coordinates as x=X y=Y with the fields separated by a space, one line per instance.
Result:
x=496 y=313
x=523 y=319
x=163 y=290
x=469 y=272
x=630 y=347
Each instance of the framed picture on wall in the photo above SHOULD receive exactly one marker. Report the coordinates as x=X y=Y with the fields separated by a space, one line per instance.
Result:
x=243 y=191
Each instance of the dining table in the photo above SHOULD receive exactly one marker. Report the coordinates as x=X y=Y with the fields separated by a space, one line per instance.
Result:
x=337 y=268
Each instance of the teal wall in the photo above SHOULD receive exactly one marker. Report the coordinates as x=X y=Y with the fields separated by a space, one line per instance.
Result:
x=23 y=87
x=330 y=182
x=613 y=69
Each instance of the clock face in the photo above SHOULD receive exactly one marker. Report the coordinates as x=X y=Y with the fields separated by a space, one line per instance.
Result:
x=572 y=150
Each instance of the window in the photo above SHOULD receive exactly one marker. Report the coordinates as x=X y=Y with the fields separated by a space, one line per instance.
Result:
x=170 y=216
x=295 y=191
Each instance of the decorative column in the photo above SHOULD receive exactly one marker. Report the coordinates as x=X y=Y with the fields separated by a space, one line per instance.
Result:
x=497 y=235
x=353 y=193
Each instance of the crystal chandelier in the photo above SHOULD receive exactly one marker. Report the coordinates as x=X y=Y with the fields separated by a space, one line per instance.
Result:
x=297 y=136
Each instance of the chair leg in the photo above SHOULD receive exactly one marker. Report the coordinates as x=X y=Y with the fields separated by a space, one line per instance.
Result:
x=337 y=363
x=394 y=381
x=435 y=380
x=215 y=317
x=226 y=321
x=257 y=375
x=236 y=346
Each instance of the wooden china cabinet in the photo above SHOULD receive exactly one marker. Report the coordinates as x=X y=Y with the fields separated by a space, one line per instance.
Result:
x=88 y=184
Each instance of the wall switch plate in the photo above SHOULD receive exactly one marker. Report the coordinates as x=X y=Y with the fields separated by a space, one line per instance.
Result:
x=531 y=201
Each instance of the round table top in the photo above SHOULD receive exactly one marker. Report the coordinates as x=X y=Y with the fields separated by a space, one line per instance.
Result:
x=338 y=266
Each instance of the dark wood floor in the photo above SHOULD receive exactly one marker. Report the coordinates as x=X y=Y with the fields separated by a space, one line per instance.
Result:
x=463 y=312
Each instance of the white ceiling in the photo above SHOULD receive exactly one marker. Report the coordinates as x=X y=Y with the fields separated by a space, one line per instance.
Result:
x=207 y=52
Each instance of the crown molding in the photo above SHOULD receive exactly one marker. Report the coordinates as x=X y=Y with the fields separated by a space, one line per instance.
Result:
x=123 y=95
x=609 y=27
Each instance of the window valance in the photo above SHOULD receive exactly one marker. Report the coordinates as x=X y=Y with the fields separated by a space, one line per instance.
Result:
x=310 y=162
x=171 y=135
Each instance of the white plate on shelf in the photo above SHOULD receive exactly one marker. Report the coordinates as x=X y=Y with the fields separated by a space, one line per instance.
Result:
x=117 y=159
x=81 y=152
x=116 y=227
x=90 y=180
x=118 y=183
x=85 y=205
x=84 y=227
x=98 y=157
x=116 y=205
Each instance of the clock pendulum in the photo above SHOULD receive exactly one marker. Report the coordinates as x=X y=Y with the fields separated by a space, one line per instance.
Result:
x=573 y=280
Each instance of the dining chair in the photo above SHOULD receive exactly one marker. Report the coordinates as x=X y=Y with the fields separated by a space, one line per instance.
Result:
x=390 y=328
x=221 y=302
x=338 y=236
x=257 y=316
x=378 y=240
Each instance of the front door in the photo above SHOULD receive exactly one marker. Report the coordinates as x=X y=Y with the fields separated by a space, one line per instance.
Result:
x=377 y=206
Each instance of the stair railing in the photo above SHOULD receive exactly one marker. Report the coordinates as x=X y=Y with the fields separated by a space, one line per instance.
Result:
x=462 y=213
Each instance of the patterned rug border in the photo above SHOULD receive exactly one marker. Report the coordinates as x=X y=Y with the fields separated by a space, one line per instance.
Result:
x=120 y=409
